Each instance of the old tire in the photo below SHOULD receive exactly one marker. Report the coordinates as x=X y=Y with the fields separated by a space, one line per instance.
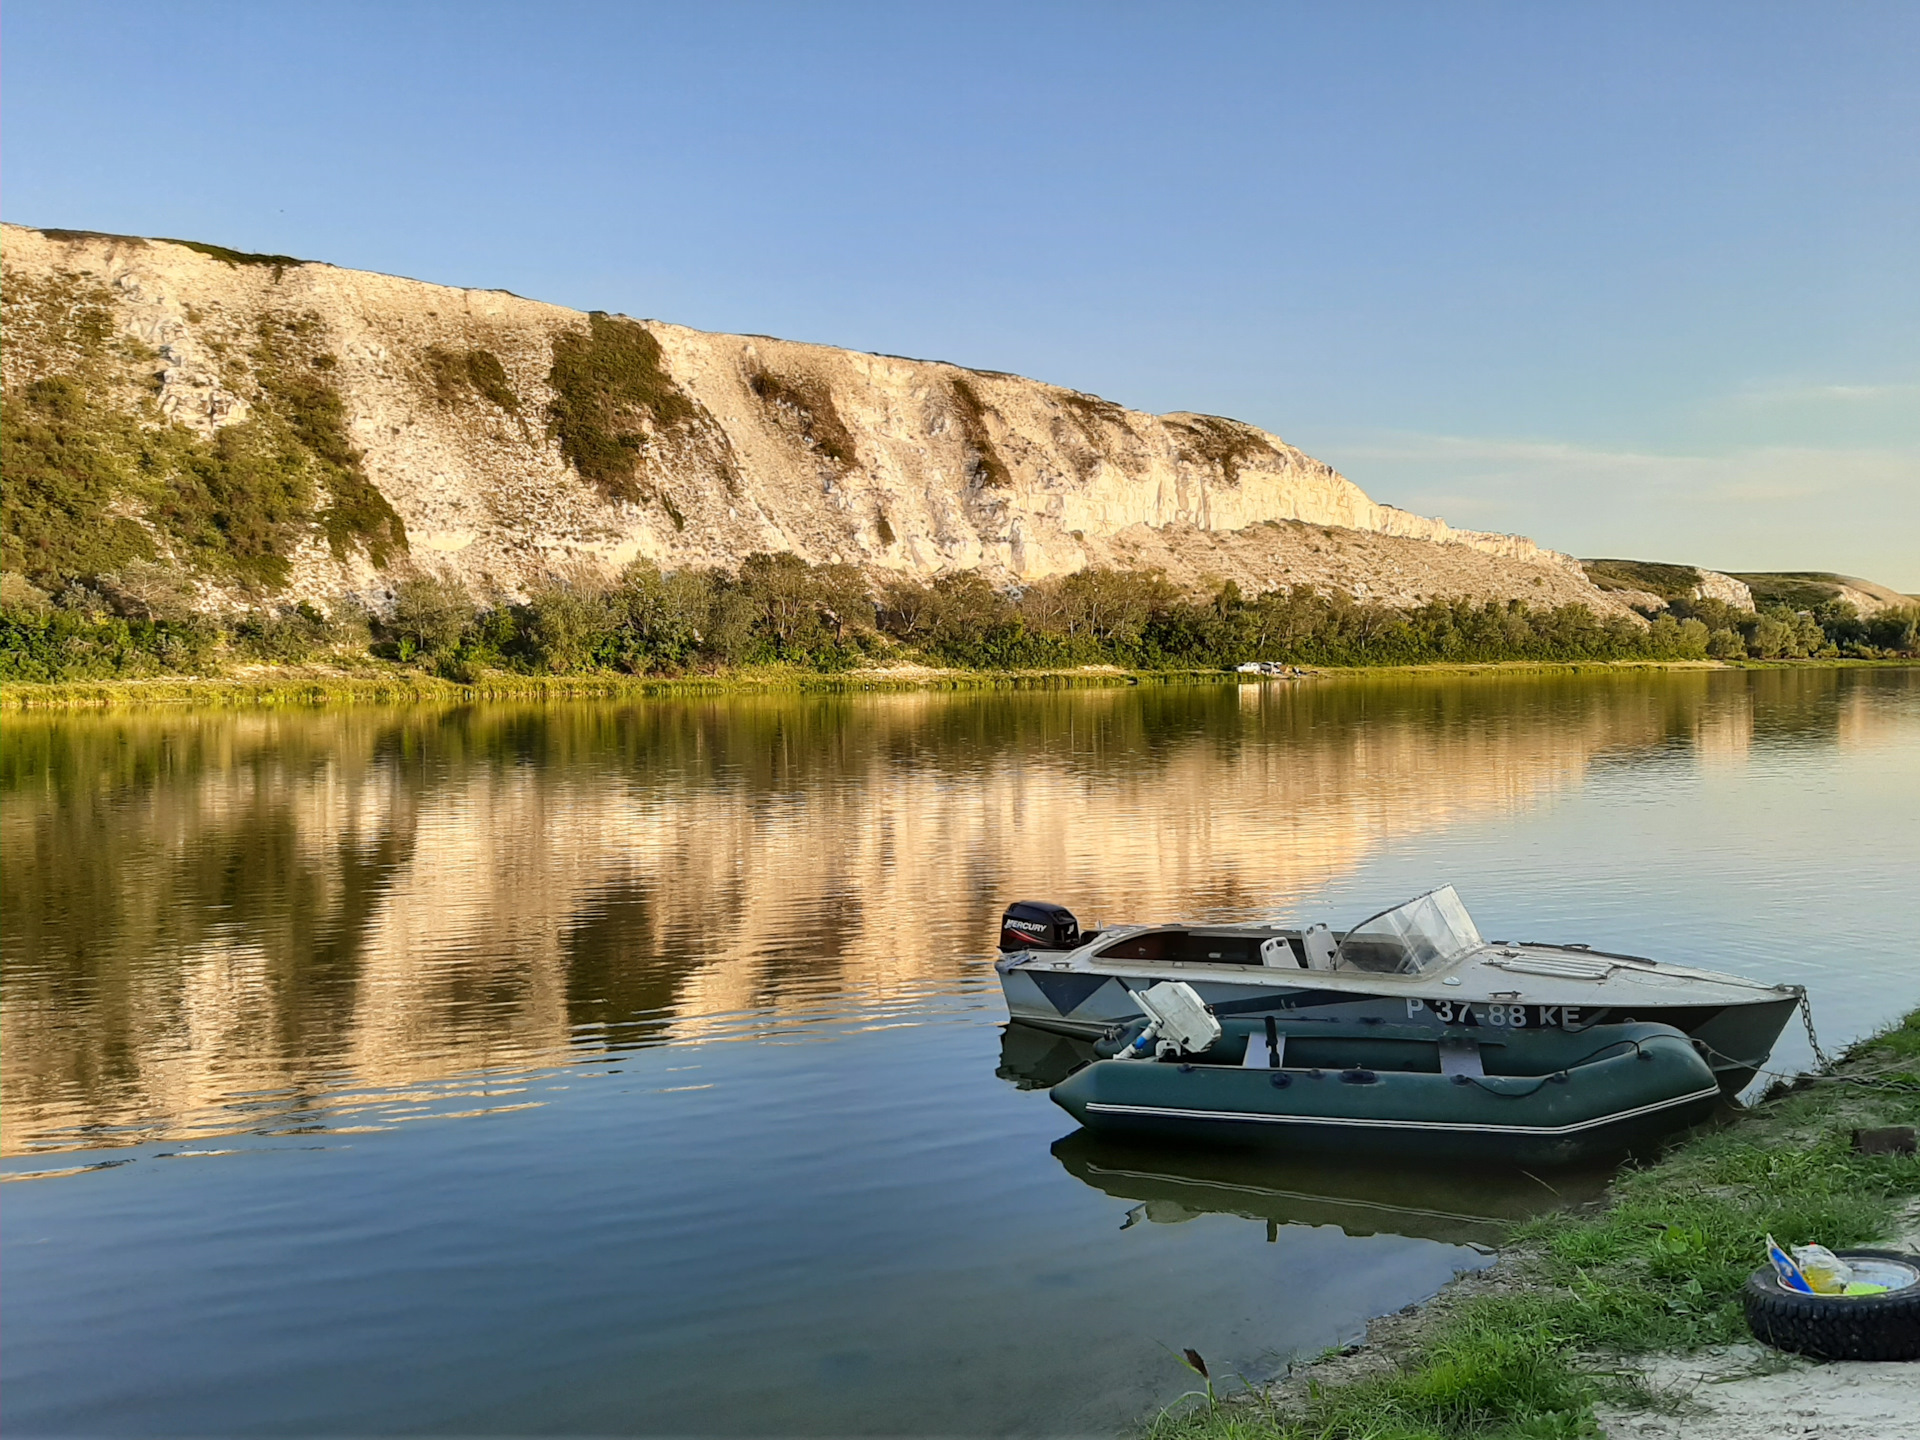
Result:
x=1838 y=1327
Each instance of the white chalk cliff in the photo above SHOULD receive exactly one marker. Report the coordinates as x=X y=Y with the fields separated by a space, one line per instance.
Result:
x=892 y=464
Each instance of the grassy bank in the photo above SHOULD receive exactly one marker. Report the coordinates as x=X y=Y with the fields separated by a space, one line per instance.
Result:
x=1532 y=1346
x=401 y=685
x=375 y=683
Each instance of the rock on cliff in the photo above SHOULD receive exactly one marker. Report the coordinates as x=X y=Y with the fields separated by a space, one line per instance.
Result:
x=514 y=439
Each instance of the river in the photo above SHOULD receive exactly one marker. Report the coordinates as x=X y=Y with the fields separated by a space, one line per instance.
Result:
x=640 y=1068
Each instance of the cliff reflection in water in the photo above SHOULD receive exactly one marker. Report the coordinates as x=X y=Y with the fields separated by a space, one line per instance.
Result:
x=217 y=922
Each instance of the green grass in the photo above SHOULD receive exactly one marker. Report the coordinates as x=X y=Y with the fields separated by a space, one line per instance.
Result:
x=278 y=263
x=94 y=235
x=1658 y=1267
x=1803 y=590
x=372 y=679
x=386 y=683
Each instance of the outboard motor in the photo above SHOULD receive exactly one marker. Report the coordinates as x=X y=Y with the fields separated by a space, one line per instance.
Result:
x=1038 y=925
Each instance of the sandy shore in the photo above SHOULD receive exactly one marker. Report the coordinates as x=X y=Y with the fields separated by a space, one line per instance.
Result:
x=1748 y=1392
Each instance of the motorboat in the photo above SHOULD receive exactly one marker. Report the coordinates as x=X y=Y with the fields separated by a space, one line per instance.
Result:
x=1528 y=1097
x=1419 y=966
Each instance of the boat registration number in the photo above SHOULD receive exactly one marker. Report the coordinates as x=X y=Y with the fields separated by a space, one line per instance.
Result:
x=1514 y=1017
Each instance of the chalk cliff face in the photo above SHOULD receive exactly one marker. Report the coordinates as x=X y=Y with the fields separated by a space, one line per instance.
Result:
x=517 y=439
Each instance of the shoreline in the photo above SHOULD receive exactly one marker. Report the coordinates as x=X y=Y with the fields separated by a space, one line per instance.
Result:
x=1623 y=1318
x=317 y=687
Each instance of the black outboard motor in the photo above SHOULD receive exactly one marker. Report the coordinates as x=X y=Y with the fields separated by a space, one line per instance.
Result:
x=1038 y=925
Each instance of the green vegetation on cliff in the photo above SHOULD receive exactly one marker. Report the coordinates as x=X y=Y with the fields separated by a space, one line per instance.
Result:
x=279 y=264
x=1223 y=442
x=100 y=483
x=809 y=408
x=988 y=468
x=1668 y=582
x=457 y=374
x=613 y=400
x=1808 y=589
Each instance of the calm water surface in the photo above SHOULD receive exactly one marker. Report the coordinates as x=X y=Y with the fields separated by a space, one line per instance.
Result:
x=641 y=1069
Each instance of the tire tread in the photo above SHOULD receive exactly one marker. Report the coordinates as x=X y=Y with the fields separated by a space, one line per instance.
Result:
x=1828 y=1327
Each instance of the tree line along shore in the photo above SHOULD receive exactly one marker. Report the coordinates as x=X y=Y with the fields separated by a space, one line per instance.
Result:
x=1569 y=1322
x=777 y=610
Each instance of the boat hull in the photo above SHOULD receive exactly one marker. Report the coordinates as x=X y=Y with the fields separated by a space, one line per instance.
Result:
x=1739 y=1035
x=1649 y=1081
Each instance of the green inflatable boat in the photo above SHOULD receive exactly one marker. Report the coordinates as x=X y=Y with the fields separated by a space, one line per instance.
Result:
x=1529 y=1097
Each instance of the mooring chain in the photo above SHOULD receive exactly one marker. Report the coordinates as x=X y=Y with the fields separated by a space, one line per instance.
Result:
x=1806 y=1015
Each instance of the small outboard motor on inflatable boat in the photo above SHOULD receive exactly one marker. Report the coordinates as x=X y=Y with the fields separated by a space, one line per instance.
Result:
x=1038 y=925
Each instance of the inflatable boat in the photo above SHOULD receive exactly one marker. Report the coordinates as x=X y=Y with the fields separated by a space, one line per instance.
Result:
x=1531 y=1098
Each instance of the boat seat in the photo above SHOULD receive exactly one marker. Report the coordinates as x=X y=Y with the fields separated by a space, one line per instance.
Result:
x=1460 y=1055
x=1258 y=1057
x=1317 y=943
x=1278 y=951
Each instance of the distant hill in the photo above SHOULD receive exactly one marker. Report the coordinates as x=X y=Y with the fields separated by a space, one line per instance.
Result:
x=1806 y=589
x=1651 y=584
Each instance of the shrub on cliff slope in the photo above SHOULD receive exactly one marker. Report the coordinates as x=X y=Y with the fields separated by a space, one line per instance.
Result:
x=612 y=397
x=291 y=370
x=90 y=490
x=459 y=375
x=806 y=406
x=987 y=467
x=66 y=476
x=98 y=480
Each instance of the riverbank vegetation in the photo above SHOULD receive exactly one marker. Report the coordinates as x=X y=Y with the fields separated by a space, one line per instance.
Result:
x=778 y=610
x=1657 y=1267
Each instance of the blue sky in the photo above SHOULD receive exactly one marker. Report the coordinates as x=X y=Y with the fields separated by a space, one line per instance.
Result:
x=1634 y=280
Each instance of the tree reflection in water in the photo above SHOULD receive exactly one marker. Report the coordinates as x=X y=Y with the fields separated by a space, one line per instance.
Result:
x=224 y=921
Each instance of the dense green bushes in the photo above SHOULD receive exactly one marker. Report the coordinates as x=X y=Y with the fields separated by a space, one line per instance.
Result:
x=73 y=645
x=94 y=486
x=779 y=609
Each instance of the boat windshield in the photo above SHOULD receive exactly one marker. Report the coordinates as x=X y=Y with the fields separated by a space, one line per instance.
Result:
x=1408 y=939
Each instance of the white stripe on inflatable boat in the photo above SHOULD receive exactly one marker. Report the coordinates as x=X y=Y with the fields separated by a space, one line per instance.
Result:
x=1171 y=1113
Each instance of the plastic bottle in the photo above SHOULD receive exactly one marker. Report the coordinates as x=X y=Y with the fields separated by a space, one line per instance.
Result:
x=1826 y=1273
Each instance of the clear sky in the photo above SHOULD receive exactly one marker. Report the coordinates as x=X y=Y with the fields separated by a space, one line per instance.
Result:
x=1636 y=280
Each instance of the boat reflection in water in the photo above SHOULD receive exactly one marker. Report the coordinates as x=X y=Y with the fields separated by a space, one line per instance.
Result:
x=1172 y=1182
x=1036 y=1059
x=1455 y=1205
